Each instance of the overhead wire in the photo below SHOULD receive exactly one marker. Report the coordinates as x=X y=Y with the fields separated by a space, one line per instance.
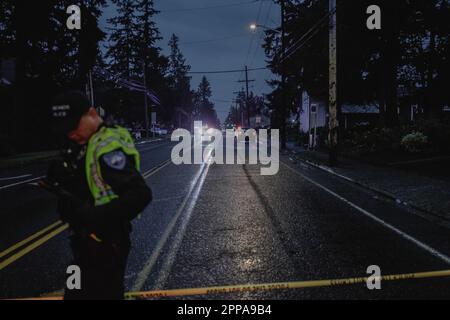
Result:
x=225 y=71
x=211 y=7
x=261 y=39
x=249 y=47
x=213 y=40
x=301 y=42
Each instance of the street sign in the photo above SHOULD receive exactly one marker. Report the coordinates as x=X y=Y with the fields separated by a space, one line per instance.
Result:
x=153 y=118
x=101 y=111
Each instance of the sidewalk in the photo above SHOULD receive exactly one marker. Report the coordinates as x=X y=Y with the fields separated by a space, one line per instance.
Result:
x=422 y=193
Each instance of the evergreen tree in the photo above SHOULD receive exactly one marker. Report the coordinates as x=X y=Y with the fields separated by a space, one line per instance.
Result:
x=425 y=49
x=410 y=50
x=178 y=75
x=146 y=36
x=181 y=97
x=6 y=30
x=305 y=67
x=48 y=57
x=132 y=46
x=122 y=39
x=203 y=107
x=89 y=38
x=232 y=117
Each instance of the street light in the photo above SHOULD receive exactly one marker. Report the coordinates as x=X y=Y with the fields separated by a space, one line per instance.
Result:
x=282 y=107
x=255 y=26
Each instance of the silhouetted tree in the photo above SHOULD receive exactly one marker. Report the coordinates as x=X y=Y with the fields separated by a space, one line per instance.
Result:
x=203 y=107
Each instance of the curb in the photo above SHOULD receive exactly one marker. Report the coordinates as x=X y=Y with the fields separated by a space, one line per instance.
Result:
x=383 y=193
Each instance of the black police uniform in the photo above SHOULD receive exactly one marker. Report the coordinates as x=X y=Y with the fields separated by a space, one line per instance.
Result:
x=100 y=235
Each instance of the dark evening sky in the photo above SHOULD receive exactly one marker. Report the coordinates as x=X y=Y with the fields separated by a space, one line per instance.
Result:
x=215 y=35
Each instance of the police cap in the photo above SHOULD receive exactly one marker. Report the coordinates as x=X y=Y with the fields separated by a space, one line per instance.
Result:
x=67 y=109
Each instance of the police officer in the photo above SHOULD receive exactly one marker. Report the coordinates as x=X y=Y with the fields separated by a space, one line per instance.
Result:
x=100 y=190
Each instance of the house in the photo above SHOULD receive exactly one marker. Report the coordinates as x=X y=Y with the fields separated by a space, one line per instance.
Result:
x=7 y=71
x=313 y=112
x=313 y=115
x=259 y=121
x=355 y=115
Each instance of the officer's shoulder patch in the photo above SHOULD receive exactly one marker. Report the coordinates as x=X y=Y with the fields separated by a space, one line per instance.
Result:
x=115 y=159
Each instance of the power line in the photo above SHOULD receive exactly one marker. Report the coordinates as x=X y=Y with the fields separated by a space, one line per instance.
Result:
x=250 y=46
x=212 y=7
x=253 y=35
x=226 y=71
x=246 y=93
x=310 y=30
x=299 y=44
x=216 y=39
x=261 y=41
x=222 y=100
x=262 y=34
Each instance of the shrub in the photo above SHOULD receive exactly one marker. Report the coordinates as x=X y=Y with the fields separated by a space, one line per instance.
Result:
x=373 y=141
x=438 y=133
x=415 y=142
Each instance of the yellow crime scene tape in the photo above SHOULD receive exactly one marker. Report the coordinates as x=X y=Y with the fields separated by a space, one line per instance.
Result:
x=265 y=287
x=280 y=285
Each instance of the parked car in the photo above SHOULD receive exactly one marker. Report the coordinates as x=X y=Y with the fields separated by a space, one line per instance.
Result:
x=159 y=131
x=240 y=133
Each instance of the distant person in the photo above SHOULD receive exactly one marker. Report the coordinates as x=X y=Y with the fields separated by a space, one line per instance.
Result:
x=100 y=190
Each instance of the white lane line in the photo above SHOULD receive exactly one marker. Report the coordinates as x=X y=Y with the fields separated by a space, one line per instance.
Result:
x=21 y=182
x=151 y=147
x=156 y=168
x=16 y=177
x=175 y=245
x=404 y=235
x=39 y=233
x=145 y=142
x=38 y=178
x=167 y=199
x=145 y=272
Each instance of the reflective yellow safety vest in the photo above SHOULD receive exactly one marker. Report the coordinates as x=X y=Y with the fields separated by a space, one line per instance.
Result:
x=102 y=142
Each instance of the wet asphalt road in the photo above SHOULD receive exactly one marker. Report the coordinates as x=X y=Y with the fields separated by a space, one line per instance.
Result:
x=213 y=225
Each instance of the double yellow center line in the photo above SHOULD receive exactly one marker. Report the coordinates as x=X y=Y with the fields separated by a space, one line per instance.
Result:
x=50 y=232
x=56 y=228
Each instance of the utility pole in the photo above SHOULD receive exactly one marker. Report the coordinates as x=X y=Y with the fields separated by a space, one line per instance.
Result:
x=240 y=111
x=282 y=114
x=146 y=104
x=246 y=95
x=91 y=89
x=236 y=111
x=333 y=110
